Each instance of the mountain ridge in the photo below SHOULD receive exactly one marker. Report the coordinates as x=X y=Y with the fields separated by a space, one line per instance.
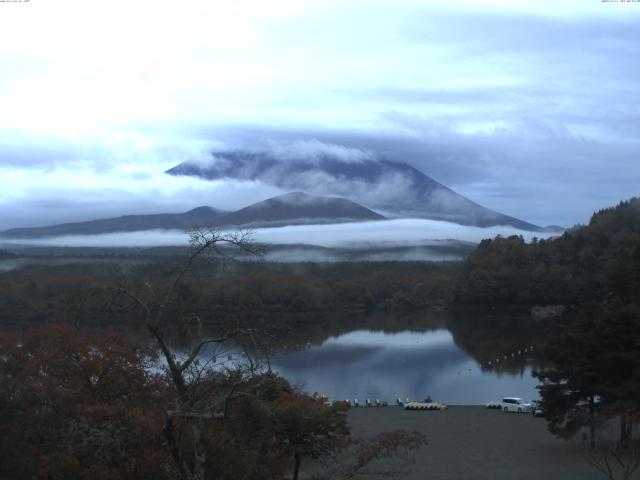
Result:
x=296 y=208
x=293 y=208
x=124 y=223
x=395 y=189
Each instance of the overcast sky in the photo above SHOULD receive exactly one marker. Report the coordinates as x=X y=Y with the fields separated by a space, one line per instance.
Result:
x=531 y=108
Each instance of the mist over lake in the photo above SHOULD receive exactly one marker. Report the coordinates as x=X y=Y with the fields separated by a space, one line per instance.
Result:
x=418 y=239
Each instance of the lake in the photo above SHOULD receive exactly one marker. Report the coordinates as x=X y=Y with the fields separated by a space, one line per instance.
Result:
x=410 y=364
x=465 y=357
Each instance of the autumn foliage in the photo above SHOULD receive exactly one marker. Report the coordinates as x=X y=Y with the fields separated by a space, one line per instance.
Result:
x=76 y=405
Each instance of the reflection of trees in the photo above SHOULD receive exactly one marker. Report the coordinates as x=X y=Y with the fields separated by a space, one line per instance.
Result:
x=295 y=335
x=77 y=292
x=482 y=335
x=487 y=336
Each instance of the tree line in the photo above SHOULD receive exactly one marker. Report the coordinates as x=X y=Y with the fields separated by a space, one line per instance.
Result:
x=38 y=293
x=79 y=405
x=583 y=265
x=577 y=267
x=193 y=412
x=593 y=381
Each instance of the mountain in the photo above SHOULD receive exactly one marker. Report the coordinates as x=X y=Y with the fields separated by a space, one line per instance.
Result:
x=395 y=189
x=294 y=208
x=298 y=208
x=128 y=223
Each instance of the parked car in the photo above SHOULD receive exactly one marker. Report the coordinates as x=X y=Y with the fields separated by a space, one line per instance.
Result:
x=536 y=409
x=515 y=404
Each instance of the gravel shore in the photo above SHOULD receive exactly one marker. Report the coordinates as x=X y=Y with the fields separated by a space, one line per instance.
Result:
x=472 y=442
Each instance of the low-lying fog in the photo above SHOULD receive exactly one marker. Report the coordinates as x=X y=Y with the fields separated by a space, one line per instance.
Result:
x=8 y=265
x=416 y=238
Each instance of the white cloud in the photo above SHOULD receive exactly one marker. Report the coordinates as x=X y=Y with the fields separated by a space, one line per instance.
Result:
x=44 y=196
x=313 y=150
x=119 y=87
x=405 y=232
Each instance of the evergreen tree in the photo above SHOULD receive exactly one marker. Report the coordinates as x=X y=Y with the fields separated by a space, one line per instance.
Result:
x=596 y=373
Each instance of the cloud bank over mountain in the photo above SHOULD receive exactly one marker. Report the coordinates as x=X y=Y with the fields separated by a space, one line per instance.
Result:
x=404 y=232
x=528 y=108
x=394 y=189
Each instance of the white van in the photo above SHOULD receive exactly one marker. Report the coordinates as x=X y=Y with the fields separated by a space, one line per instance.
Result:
x=515 y=404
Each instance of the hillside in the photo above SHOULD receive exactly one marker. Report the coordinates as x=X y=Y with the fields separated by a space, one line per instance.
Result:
x=127 y=223
x=290 y=209
x=298 y=208
x=394 y=189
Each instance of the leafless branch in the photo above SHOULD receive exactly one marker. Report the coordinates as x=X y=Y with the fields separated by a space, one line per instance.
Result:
x=611 y=459
x=192 y=403
x=195 y=351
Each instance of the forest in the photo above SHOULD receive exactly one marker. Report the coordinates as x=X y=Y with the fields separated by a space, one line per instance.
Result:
x=91 y=386
x=580 y=266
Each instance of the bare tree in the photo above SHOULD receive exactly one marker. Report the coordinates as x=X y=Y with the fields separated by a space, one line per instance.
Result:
x=202 y=393
x=365 y=457
x=614 y=461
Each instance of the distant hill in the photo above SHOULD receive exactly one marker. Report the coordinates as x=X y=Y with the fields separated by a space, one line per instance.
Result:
x=128 y=223
x=298 y=208
x=295 y=208
x=394 y=189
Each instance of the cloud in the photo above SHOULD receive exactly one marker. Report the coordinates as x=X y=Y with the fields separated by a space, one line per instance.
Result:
x=407 y=232
x=401 y=232
x=18 y=263
x=47 y=196
x=388 y=189
x=528 y=108
x=314 y=150
x=534 y=171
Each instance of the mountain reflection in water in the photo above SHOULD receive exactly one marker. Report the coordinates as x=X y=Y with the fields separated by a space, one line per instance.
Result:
x=373 y=364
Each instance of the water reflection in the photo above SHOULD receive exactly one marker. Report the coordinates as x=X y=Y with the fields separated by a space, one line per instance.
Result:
x=373 y=364
x=443 y=354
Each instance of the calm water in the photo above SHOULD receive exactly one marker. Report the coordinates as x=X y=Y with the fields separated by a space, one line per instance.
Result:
x=373 y=364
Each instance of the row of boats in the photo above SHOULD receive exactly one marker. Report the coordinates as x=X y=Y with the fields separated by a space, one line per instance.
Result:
x=427 y=404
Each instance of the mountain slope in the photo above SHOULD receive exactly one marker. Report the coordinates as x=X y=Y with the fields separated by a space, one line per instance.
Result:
x=128 y=223
x=295 y=208
x=298 y=208
x=392 y=188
